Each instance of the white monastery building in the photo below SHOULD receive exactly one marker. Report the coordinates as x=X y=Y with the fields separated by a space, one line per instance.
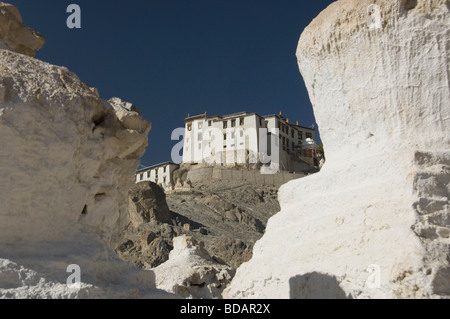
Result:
x=245 y=139
x=161 y=174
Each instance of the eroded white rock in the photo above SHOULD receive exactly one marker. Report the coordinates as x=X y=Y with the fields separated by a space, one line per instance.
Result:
x=190 y=271
x=68 y=159
x=374 y=223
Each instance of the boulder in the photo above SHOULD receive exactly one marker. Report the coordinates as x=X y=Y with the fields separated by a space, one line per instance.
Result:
x=147 y=201
x=190 y=271
x=14 y=35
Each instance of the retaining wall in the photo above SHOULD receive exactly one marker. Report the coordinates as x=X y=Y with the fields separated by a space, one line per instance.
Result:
x=252 y=176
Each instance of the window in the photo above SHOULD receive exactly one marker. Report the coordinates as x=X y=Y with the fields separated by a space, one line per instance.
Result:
x=241 y=121
x=300 y=135
x=308 y=135
x=292 y=133
x=225 y=137
x=266 y=124
x=164 y=180
x=232 y=134
x=199 y=136
x=279 y=124
x=241 y=133
x=233 y=123
x=199 y=125
x=164 y=169
x=284 y=141
x=209 y=123
x=141 y=176
x=189 y=126
x=225 y=124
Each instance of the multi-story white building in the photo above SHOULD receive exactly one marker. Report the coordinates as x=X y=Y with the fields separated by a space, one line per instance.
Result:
x=248 y=138
x=161 y=174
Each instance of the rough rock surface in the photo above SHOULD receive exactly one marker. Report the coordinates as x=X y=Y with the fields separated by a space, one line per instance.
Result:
x=14 y=35
x=190 y=271
x=146 y=240
x=67 y=161
x=374 y=223
x=147 y=201
x=231 y=212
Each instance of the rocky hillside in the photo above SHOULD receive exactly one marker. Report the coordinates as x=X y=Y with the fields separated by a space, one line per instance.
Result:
x=228 y=217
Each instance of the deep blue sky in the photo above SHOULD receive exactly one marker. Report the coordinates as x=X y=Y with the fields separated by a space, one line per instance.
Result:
x=172 y=58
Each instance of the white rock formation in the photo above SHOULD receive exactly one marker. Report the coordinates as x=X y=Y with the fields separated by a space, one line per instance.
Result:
x=374 y=223
x=68 y=159
x=190 y=271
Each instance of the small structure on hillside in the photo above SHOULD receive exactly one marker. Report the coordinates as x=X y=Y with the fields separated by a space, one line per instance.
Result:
x=161 y=174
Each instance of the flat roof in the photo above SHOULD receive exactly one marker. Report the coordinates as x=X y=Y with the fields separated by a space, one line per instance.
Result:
x=155 y=166
x=239 y=114
x=204 y=116
x=292 y=124
x=195 y=117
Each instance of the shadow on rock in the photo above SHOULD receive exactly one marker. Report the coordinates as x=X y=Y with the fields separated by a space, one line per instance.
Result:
x=315 y=286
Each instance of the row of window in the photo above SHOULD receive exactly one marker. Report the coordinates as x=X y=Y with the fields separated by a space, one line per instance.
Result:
x=209 y=145
x=200 y=136
x=141 y=178
x=156 y=173
x=241 y=134
x=225 y=124
x=285 y=129
x=233 y=123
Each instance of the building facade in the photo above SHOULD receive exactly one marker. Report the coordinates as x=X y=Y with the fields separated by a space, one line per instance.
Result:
x=161 y=174
x=245 y=139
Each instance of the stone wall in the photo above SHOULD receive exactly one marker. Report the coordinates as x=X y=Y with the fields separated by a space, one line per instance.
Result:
x=253 y=176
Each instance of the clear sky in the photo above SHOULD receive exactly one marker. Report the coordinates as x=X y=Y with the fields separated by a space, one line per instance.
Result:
x=172 y=58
